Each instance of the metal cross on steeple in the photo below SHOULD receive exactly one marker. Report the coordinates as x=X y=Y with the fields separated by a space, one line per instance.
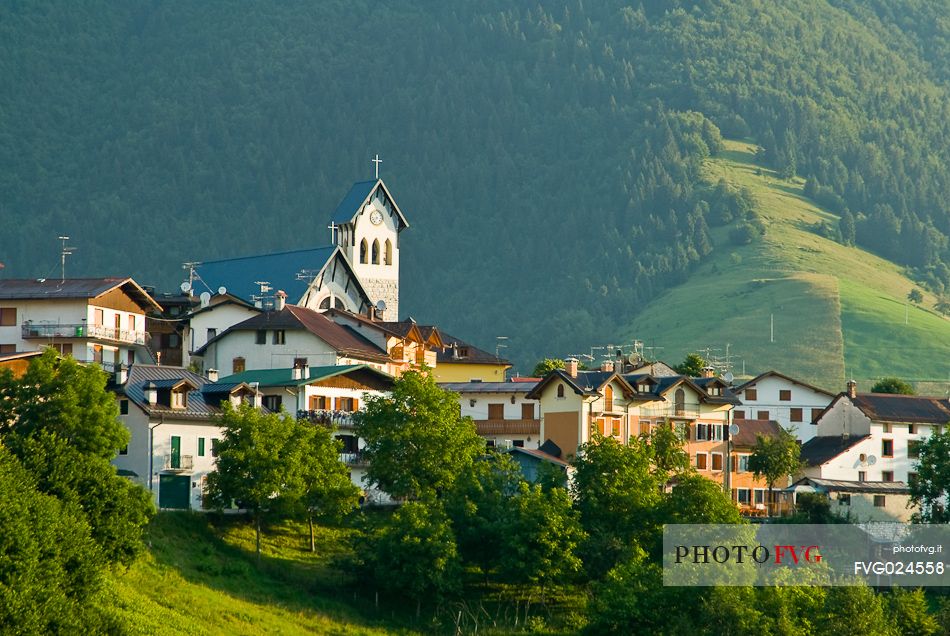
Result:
x=377 y=161
x=332 y=227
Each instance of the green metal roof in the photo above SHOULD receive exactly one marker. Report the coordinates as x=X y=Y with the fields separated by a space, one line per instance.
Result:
x=284 y=377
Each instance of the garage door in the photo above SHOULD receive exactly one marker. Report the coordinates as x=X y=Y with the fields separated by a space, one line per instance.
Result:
x=174 y=491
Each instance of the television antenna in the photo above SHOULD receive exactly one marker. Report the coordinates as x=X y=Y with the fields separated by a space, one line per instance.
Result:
x=500 y=344
x=66 y=251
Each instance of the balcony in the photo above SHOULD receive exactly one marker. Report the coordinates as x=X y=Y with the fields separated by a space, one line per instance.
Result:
x=508 y=427
x=47 y=331
x=334 y=419
x=353 y=459
x=179 y=463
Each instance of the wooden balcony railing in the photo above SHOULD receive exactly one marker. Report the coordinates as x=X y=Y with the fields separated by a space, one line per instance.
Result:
x=508 y=427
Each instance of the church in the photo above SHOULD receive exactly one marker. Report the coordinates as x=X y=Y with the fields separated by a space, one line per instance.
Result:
x=357 y=272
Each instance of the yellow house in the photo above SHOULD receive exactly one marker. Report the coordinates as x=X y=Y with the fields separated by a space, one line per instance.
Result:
x=459 y=361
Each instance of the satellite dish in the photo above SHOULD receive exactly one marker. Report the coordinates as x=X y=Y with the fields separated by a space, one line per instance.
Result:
x=634 y=359
x=222 y=290
x=381 y=305
x=728 y=377
x=205 y=298
x=185 y=287
x=733 y=429
x=872 y=460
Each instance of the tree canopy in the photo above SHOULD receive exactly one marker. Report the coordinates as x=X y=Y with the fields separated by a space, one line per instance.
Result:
x=931 y=487
x=893 y=385
x=775 y=458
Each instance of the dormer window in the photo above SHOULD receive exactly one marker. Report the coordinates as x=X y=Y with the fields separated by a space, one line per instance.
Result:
x=714 y=389
x=463 y=352
x=179 y=399
x=643 y=387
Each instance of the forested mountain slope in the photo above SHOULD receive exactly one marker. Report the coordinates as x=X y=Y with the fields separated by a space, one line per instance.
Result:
x=548 y=158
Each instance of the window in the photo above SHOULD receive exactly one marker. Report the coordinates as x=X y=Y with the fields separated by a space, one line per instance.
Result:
x=97 y=353
x=300 y=363
x=743 y=463
x=759 y=494
x=717 y=461
x=743 y=496
x=679 y=402
x=490 y=443
x=273 y=402
x=214 y=446
x=347 y=404
x=130 y=359
x=124 y=450
x=179 y=399
x=608 y=398
x=279 y=336
x=761 y=415
x=911 y=429
x=702 y=432
x=645 y=427
x=887 y=448
x=714 y=389
x=212 y=332
x=201 y=447
x=739 y=415
x=911 y=478
x=751 y=394
x=319 y=403
x=123 y=407
x=795 y=415
x=131 y=322
x=785 y=395
x=7 y=348
x=815 y=414
x=862 y=475
x=601 y=425
x=351 y=443
x=238 y=365
x=844 y=499
x=8 y=317
x=886 y=427
x=560 y=391
x=260 y=337
x=913 y=448
x=376 y=252
x=887 y=475
x=496 y=411
x=527 y=411
x=364 y=257
x=388 y=252
x=517 y=443
x=879 y=501
x=701 y=461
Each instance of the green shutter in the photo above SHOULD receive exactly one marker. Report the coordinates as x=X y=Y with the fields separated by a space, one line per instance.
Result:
x=176 y=452
x=201 y=447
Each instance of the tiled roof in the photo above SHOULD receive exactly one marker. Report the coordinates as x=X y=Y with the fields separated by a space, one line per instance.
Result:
x=776 y=374
x=887 y=407
x=818 y=450
x=341 y=337
x=844 y=485
x=165 y=377
x=749 y=430
x=55 y=288
x=280 y=269
x=487 y=387
x=474 y=355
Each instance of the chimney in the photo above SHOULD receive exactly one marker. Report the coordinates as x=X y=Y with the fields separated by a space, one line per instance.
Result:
x=255 y=398
x=280 y=299
x=121 y=375
x=151 y=393
x=306 y=372
x=212 y=375
x=607 y=365
x=708 y=372
x=570 y=366
x=852 y=389
x=297 y=373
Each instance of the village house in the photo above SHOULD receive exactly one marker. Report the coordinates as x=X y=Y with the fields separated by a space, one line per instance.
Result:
x=792 y=403
x=100 y=320
x=459 y=361
x=328 y=396
x=502 y=412
x=873 y=437
x=170 y=413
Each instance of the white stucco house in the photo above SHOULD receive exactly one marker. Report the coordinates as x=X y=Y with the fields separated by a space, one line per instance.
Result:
x=100 y=320
x=792 y=403
x=502 y=412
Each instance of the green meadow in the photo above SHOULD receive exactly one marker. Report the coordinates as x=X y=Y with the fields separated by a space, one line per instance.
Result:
x=795 y=301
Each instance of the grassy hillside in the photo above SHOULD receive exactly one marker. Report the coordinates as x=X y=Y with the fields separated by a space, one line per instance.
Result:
x=203 y=579
x=837 y=311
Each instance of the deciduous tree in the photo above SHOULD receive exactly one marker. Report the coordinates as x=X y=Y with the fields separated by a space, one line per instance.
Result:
x=893 y=385
x=775 y=458
x=930 y=490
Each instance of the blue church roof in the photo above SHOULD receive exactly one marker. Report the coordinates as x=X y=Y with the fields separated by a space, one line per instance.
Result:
x=279 y=269
x=354 y=198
